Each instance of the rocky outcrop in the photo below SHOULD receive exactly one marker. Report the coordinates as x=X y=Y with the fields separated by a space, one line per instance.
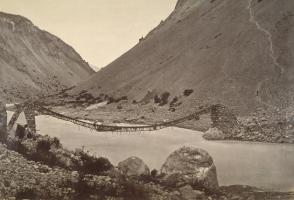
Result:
x=191 y=166
x=133 y=166
x=3 y=123
x=214 y=134
x=23 y=179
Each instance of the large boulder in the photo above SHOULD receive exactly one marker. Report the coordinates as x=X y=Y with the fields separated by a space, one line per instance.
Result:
x=214 y=134
x=133 y=166
x=3 y=123
x=191 y=166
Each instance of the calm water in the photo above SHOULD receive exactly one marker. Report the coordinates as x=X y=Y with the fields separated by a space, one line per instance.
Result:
x=268 y=166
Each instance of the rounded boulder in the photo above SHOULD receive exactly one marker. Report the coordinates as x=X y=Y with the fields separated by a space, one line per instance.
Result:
x=133 y=166
x=192 y=166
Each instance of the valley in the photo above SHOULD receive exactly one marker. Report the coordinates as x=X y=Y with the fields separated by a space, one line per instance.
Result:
x=200 y=108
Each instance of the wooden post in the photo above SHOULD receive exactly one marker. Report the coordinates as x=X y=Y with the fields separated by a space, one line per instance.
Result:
x=14 y=117
x=30 y=117
x=3 y=123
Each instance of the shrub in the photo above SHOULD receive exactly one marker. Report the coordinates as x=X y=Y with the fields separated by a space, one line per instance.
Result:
x=19 y=147
x=44 y=154
x=93 y=165
x=164 y=98
x=188 y=92
x=56 y=142
x=172 y=109
x=157 y=99
x=122 y=189
x=124 y=98
x=110 y=100
x=43 y=146
x=154 y=173
x=26 y=193
x=119 y=107
x=83 y=189
x=133 y=190
x=172 y=103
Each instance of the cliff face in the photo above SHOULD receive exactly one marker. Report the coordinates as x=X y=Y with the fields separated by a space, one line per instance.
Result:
x=235 y=52
x=33 y=61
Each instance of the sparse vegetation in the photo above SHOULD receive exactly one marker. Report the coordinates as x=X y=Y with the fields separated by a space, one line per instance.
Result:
x=26 y=193
x=119 y=107
x=43 y=146
x=162 y=100
x=172 y=103
x=133 y=190
x=188 y=92
x=157 y=100
x=124 y=188
x=93 y=165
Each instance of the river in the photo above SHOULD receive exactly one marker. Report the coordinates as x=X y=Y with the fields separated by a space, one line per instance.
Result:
x=268 y=166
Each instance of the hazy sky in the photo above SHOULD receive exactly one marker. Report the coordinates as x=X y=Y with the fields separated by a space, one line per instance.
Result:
x=100 y=30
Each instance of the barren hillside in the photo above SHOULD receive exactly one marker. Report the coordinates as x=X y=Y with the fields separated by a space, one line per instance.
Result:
x=237 y=52
x=33 y=61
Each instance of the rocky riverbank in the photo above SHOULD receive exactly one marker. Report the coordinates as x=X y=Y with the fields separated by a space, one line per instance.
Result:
x=256 y=127
x=24 y=179
x=187 y=174
x=43 y=169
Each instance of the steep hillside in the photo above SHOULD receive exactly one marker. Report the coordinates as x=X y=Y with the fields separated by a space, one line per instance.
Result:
x=33 y=61
x=237 y=52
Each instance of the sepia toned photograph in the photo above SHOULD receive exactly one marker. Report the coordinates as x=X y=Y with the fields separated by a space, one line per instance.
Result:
x=146 y=99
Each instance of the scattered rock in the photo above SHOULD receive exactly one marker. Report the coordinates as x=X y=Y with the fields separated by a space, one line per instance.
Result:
x=187 y=193
x=133 y=166
x=191 y=166
x=21 y=179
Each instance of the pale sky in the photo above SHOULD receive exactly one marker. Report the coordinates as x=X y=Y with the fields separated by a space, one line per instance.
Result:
x=99 y=30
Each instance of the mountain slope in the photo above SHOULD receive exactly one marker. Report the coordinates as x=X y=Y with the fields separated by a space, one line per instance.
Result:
x=33 y=61
x=236 y=52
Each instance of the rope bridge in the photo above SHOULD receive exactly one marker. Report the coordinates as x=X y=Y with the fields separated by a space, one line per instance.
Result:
x=29 y=109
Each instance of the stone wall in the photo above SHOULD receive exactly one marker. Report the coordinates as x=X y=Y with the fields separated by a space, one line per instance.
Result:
x=3 y=122
x=224 y=119
x=30 y=117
